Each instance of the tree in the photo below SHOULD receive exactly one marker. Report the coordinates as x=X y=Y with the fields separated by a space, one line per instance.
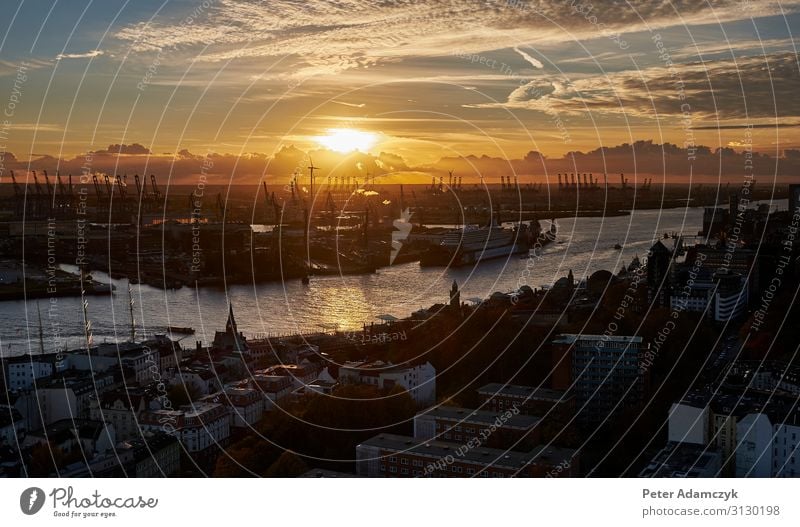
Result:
x=289 y=465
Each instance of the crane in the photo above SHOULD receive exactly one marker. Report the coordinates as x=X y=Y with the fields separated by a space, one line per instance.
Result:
x=120 y=186
x=156 y=192
x=311 y=169
x=98 y=190
x=17 y=190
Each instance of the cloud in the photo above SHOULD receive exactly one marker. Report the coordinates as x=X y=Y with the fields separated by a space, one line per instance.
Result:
x=353 y=105
x=640 y=157
x=745 y=88
x=87 y=55
x=132 y=149
x=533 y=62
x=330 y=36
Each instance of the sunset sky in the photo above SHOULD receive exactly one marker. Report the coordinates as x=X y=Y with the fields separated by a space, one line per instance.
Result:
x=418 y=80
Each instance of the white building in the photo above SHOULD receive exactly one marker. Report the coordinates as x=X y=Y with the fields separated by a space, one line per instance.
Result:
x=723 y=295
x=419 y=381
x=199 y=426
x=689 y=423
x=22 y=373
x=246 y=405
x=754 y=446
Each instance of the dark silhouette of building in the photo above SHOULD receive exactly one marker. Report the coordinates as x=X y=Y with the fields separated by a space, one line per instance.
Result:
x=231 y=339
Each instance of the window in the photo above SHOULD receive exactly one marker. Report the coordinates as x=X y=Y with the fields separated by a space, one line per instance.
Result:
x=393 y=470
x=393 y=459
x=404 y=471
x=404 y=461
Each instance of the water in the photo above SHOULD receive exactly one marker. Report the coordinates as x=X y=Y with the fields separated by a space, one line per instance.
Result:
x=586 y=245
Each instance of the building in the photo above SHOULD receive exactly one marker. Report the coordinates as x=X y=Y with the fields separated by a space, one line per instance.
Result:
x=684 y=460
x=12 y=427
x=24 y=370
x=67 y=396
x=273 y=388
x=419 y=380
x=246 y=405
x=689 y=422
x=300 y=374
x=231 y=339
x=606 y=372
x=498 y=397
x=389 y=455
x=659 y=260
x=721 y=295
x=202 y=380
x=199 y=426
x=87 y=437
x=122 y=408
x=152 y=456
x=463 y=425
x=767 y=445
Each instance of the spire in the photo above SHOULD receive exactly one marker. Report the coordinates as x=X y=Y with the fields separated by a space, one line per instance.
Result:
x=230 y=325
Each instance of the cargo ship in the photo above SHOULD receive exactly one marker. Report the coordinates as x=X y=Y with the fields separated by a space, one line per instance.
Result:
x=470 y=245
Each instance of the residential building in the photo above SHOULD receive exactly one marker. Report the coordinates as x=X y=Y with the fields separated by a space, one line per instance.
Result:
x=419 y=380
x=684 y=460
x=246 y=405
x=499 y=397
x=607 y=373
x=389 y=455
x=505 y=429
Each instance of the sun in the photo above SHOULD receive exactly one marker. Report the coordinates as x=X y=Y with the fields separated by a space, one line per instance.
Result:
x=346 y=140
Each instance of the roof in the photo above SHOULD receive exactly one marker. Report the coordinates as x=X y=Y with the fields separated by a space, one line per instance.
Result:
x=484 y=456
x=572 y=338
x=682 y=460
x=533 y=394
x=325 y=473
x=66 y=429
x=482 y=417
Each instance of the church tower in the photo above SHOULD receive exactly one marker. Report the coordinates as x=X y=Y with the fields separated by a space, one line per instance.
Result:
x=455 y=296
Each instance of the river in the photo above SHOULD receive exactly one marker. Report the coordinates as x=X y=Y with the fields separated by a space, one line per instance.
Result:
x=584 y=245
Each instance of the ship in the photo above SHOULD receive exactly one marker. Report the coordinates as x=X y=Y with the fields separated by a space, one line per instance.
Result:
x=470 y=244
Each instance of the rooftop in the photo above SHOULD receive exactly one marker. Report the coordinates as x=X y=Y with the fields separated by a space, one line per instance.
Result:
x=571 y=338
x=682 y=460
x=453 y=413
x=533 y=394
x=484 y=456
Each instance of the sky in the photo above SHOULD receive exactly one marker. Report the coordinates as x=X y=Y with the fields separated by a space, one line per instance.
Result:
x=398 y=87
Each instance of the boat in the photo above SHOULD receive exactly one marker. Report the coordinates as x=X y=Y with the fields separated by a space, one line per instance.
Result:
x=181 y=330
x=471 y=244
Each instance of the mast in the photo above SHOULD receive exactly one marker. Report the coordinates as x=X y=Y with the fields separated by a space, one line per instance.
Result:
x=130 y=309
x=41 y=332
x=87 y=324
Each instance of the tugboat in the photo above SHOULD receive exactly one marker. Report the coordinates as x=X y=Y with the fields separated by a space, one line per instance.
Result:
x=181 y=330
